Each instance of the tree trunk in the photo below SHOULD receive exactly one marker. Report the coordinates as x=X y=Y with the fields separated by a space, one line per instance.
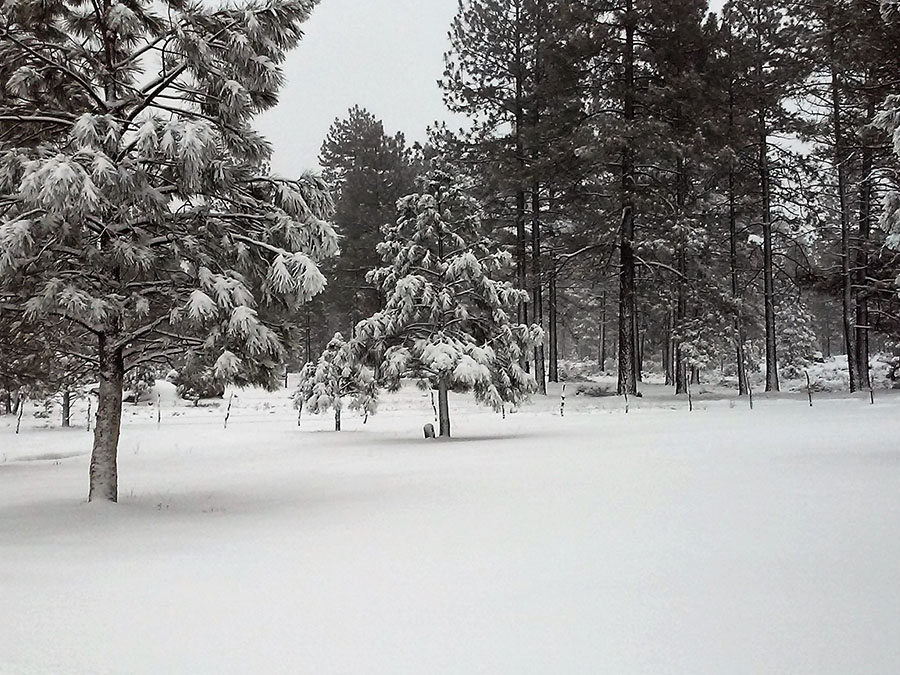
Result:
x=443 y=408
x=104 y=472
x=67 y=408
x=846 y=276
x=553 y=321
x=337 y=419
x=862 y=257
x=537 y=282
x=768 y=258
x=732 y=237
x=602 y=336
x=308 y=341
x=627 y=382
x=681 y=384
x=537 y=286
x=521 y=247
x=638 y=347
x=667 y=350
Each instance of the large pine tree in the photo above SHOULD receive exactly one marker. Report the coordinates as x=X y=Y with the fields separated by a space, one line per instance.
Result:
x=147 y=219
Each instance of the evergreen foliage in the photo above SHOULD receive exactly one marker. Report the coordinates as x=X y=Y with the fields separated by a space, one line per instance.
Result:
x=135 y=204
x=368 y=171
x=448 y=320
x=335 y=376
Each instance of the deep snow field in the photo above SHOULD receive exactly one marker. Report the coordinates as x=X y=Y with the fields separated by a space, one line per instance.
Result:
x=658 y=541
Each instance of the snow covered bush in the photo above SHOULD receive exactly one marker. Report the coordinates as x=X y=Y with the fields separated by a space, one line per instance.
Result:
x=138 y=211
x=335 y=376
x=196 y=379
x=447 y=320
x=137 y=384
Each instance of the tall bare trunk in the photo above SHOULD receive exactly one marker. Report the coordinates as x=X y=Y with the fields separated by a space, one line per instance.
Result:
x=537 y=295
x=627 y=382
x=536 y=276
x=681 y=311
x=768 y=258
x=862 y=257
x=732 y=258
x=337 y=419
x=521 y=237
x=104 y=471
x=443 y=408
x=840 y=161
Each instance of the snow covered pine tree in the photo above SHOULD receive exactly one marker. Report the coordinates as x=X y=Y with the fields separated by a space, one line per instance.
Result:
x=334 y=376
x=144 y=216
x=446 y=319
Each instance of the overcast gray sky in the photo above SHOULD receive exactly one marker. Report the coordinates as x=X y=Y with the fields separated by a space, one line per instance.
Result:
x=385 y=55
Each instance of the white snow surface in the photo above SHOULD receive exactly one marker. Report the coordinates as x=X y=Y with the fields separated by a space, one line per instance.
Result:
x=658 y=541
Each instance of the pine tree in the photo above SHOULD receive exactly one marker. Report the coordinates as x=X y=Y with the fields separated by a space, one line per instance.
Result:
x=147 y=219
x=335 y=376
x=448 y=320
x=770 y=33
x=368 y=171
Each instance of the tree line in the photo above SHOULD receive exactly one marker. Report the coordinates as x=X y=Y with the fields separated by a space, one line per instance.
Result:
x=697 y=188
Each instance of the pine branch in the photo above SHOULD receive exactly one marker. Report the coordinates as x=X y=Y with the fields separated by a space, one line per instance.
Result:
x=84 y=84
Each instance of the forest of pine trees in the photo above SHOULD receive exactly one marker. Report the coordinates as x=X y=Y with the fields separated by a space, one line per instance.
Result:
x=679 y=191
x=682 y=190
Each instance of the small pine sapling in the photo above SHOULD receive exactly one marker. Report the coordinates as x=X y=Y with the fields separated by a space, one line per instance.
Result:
x=335 y=376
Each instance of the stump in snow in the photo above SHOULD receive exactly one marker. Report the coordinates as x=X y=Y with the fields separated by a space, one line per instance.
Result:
x=429 y=431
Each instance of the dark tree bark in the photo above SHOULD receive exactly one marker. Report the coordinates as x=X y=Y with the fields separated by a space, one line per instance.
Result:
x=67 y=408
x=104 y=470
x=768 y=259
x=627 y=381
x=638 y=347
x=537 y=282
x=337 y=419
x=681 y=309
x=519 y=121
x=667 y=350
x=443 y=409
x=732 y=240
x=862 y=257
x=602 y=336
x=840 y=161
x=537 y=285
x=553 y=321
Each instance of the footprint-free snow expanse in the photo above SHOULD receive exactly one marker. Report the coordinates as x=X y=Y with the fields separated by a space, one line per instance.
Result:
x=661 y=541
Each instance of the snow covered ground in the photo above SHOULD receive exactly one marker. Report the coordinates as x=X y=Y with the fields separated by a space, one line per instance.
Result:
x=661 y=541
